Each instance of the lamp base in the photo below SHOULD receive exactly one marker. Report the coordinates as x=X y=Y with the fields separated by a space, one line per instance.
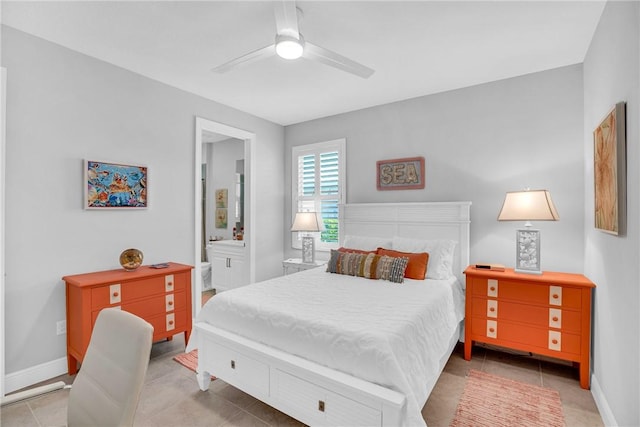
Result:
x=308 y=250
x=528 y=251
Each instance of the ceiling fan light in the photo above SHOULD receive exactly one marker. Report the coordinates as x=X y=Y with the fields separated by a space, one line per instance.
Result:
x=288 y=47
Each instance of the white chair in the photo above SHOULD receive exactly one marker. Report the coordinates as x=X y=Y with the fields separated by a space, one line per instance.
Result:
x=107 y=387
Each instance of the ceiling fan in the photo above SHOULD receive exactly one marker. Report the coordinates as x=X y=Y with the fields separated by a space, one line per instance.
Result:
x=290 y=44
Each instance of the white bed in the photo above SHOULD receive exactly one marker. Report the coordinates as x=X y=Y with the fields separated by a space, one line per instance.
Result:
x=332 y=349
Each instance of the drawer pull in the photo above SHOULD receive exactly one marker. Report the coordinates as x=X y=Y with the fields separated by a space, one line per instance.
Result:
x=115 y=294
x=170 y=303
x=492 y=330
x=170 y=322
x=492 y=289
x=170 y=284
x=556 y=296
x=233 y=364
x=492 y=309
x=320 y=406
x=554 y=341
x=555 y=318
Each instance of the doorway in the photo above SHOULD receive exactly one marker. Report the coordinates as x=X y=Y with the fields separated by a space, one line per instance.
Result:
x=205 y=127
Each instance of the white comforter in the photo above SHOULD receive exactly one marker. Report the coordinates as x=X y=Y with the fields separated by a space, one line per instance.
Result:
x=386 y=333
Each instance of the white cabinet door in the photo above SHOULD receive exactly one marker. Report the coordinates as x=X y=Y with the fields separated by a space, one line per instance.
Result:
x=237 y=272
x=228 y=267
x=219 y=273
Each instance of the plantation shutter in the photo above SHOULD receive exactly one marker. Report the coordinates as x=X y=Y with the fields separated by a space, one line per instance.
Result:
x=318 y=183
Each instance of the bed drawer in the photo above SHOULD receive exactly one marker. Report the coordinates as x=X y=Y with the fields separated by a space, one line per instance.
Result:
x=317 y=406
x=237 y=369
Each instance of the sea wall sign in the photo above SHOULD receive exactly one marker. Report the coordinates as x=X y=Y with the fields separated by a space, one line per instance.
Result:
x=400 y=174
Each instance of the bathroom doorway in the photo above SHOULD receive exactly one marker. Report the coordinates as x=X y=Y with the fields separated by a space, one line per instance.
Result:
x=207 y=133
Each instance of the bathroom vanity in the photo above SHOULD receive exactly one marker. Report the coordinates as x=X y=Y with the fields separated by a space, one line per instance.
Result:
x=228 y=267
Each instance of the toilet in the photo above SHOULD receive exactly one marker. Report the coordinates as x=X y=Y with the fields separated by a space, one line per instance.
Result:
x=205 y=270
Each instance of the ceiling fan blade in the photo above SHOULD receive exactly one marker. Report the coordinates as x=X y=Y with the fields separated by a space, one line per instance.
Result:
x=286 y=18
x=327 y=57
x=254 y=56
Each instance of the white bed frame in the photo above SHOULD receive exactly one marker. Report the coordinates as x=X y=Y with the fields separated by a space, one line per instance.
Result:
x=315 y=394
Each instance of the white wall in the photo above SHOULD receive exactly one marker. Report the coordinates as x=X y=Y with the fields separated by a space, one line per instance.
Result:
x=62 y=107
x=479 y=143
x=611 y=75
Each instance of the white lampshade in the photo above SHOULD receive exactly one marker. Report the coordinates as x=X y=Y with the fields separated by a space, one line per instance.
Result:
x=528 y=205
x=307 y=221
x=289 y=47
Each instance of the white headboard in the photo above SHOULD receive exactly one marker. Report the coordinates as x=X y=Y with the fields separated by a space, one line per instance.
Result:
x=431 y=220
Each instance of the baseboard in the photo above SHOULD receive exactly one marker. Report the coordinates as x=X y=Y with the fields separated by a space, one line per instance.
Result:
x=601 y=402
x=30 y=376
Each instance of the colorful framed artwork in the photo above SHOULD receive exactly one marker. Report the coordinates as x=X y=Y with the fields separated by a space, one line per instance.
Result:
x=400 y=174
x=115 y=185
x=609 y=170
x=221 y=217
x=222 y=195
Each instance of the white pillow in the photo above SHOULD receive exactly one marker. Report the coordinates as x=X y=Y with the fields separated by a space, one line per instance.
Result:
x=366 y=243
x=440 y=252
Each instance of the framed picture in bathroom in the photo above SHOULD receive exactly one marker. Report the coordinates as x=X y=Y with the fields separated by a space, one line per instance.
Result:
x=115 y=185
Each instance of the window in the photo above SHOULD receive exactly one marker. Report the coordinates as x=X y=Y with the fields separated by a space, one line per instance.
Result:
x=318 y=182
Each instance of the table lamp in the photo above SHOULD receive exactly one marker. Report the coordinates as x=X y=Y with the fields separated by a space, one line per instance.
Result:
x=308 y=222
x=528 y=205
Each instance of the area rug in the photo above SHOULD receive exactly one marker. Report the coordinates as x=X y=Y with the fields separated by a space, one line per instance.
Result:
x=491 y=401
x=189 y=360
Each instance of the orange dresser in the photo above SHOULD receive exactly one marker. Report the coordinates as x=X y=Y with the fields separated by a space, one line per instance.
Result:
x=161 y=296
x=548 y=314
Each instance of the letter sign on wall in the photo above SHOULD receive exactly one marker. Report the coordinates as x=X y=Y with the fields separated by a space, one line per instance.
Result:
x=400 y=174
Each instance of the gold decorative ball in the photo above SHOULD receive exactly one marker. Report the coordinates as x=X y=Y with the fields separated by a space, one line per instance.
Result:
x=130 y=259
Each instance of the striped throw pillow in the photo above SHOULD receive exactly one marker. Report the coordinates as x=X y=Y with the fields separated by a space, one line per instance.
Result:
x=370 y=266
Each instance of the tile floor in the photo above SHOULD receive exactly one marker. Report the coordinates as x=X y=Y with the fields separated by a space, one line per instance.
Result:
x=171 y=396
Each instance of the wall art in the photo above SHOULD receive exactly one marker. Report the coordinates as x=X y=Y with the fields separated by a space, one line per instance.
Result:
x=400 y=174
x=609 y=170
x=115 y=185
x=221 y=217
x=222 y=195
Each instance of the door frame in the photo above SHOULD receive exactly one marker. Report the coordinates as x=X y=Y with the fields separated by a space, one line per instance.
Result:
x=249 y=139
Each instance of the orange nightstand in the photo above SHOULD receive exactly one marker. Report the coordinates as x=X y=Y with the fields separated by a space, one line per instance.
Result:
x=547 y=314
x=161 y=296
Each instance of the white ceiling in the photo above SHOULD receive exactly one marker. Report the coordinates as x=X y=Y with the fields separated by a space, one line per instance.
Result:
x=417 y=47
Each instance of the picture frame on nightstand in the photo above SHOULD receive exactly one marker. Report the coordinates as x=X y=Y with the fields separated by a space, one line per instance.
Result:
x=528 y=251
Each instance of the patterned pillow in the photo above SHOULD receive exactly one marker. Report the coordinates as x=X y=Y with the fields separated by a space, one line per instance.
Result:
x=417 y=267
x=357 y=251
x=392 y=268
x=370 y=266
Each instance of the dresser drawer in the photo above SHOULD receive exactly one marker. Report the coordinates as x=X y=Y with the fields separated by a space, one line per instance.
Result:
x=318 y=406
x=557 y=318
x=561 y=296
x=163 y=323
x=157 y=305
x=525 y=336
x=104 y=296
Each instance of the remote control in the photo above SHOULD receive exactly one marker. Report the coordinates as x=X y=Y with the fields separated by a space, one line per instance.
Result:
x=162 y=265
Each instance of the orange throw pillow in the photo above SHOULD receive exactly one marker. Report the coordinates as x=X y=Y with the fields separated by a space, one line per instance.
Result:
x=417 y=267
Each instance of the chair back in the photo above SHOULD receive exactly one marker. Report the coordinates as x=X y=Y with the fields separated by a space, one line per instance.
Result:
x=107 y=387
